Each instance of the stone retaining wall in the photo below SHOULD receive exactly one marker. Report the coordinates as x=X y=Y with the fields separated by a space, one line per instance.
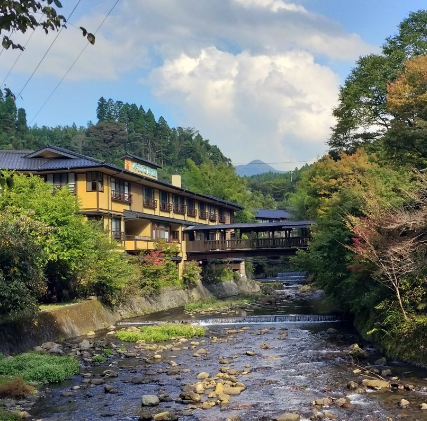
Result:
x=74 y=320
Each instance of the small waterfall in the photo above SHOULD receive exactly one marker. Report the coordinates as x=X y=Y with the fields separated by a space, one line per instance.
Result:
x=280 y=318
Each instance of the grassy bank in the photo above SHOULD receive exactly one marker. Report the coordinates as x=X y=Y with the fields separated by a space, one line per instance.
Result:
x=213 y=304
x=161 y=333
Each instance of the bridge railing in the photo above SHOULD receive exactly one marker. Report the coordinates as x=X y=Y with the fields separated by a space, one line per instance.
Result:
x=247 y=244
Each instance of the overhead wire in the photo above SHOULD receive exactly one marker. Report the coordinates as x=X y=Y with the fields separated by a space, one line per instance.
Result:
x=49 y=48
x=20 y=54
x=74 y=62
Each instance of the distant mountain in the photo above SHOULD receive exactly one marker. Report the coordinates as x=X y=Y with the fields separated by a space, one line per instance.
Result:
x=254 y=168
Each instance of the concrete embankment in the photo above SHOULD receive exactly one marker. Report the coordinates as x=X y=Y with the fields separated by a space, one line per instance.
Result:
x=74 y=320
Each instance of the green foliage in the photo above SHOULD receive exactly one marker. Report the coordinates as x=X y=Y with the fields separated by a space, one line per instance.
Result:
x=362 y=114
x=329 y=192
x=75 y=256
x=22 y=280
x=9 y=416
x=99 y=359
x=216 y=271
x=161 y=333
x=191 y=273
x=156 y=272
x=39 y=367
x=107 y=351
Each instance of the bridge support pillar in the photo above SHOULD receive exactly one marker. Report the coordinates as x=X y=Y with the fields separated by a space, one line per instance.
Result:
x=242 y=268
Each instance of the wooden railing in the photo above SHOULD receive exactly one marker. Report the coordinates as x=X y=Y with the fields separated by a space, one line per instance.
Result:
x=150 y=203
x=165 y=206
x=261 y=243
x=121 y=196
x=178 y=208
x=203 y=215
x=191 y=212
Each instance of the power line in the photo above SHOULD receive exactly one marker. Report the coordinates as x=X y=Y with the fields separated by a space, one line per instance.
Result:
x=47 y=51
x=72 y=65
x=20 y=54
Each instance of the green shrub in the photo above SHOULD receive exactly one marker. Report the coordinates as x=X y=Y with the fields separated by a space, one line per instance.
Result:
x=99 y=359
x=191 y=273
x=161 y=333
x=215 y=304
x=8 y=416
x=39 y=367
x=107 y=351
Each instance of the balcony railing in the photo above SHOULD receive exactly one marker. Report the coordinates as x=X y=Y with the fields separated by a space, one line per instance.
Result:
x=165 y=206
x=117 y=235
x=150 y=203
x=203 y=215
x=240 y=244
x=179 y=208
x=121 y=196
x=69 y=186
x=212 y=217
x=222 y=219
x=192 y=212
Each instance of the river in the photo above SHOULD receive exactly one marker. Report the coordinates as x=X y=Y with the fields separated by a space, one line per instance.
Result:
x=296 y=360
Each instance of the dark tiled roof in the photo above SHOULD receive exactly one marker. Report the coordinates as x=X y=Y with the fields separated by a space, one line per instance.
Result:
x=272 y=214
x=255 y=226
x=22 y=161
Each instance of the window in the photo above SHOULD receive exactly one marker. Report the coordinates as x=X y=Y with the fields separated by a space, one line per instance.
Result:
x=161 y=232
x=164 y=202
x=96 y=218
x=212 y=213
x=222 y=216
x=202 y=211
x=191 y=208
x=94 y=181
x=148 y=201
x=178 y=204
x=175 y=236
x=120 y=190
x=62 y=179
x=116 y=231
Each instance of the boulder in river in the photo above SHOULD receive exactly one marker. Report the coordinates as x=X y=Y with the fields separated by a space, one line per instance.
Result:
x=376 y=384
x=356 y=351
x=288 y=416
x=150 y=400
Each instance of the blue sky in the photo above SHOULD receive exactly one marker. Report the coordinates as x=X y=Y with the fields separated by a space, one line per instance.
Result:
x=259 y=78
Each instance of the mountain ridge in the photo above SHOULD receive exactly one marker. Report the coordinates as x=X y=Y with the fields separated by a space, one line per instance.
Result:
x=254 y=167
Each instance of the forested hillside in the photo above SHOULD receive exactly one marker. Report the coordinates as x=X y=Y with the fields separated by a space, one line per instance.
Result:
x=123 y=127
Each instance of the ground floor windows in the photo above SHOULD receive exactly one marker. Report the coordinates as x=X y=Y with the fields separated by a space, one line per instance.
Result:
x=116 y=228
x=161 y=232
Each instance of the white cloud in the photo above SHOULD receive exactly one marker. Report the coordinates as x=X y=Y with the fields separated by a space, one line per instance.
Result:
x=273 y=5
x=275 y=108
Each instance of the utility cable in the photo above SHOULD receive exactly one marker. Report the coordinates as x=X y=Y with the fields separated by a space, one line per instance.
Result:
x=20 y=54
x=49 y=48
x=72 y=65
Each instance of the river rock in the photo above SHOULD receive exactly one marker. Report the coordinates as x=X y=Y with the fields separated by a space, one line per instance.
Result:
x=97 y=382
x=376 y=384
x=352 y=385
x=161 y=416
x=109 y=388
x=358 y=352
x=230 y=390
x=423 y=406
x=343 y=403
x=190 y=396
x=202 y=376
x=250 y=353
x=386 y=372
x=322 y=402
x=52 y=348
x=110 y=373
x=150 y=400
x=208 y=404
x=381 y=361
x=84 y=345
x=199 y=388
x=331 y=331
x=403 y=403
x=288 y=416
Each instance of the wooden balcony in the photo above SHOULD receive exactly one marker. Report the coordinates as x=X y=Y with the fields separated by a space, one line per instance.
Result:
x=203 y=215
x=213 y=217
x=179 y=208
x=121 y=196
x=192 y=212
x=117 y=235
x=201 y=246
x=149 y=203
x=165 y=206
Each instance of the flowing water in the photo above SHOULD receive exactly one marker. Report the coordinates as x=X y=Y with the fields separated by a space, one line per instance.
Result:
x=296 y=360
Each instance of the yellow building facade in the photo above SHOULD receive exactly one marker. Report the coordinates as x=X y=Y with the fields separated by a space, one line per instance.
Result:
x=135 y=207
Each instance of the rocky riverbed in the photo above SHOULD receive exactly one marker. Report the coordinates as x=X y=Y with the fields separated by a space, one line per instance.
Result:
x=275 y=371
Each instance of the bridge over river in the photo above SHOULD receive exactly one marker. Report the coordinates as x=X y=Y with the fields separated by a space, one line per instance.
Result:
x=205 y=242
